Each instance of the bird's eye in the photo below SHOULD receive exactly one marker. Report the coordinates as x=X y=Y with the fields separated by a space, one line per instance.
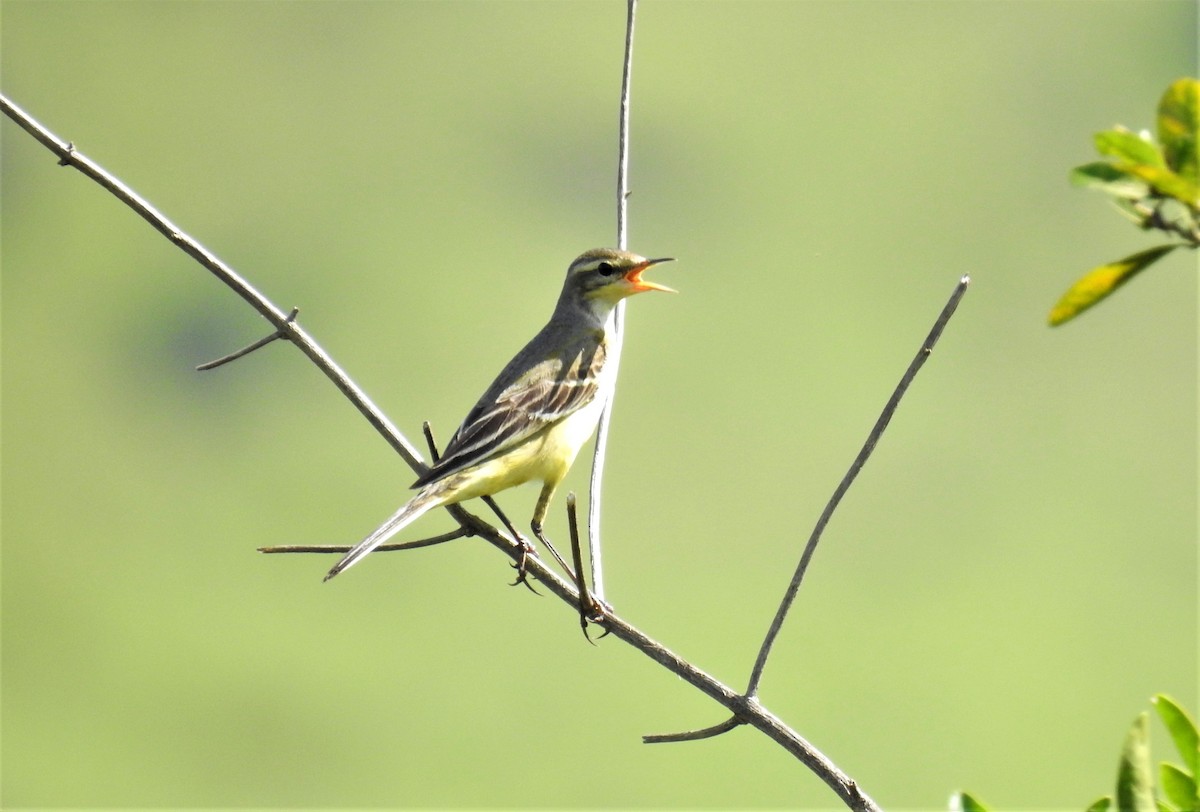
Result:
x=606 y=269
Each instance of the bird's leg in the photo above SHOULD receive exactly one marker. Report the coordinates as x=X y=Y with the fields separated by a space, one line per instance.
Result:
x=526 y=548
x=537 y=531
x=539 y=515
x=589 y=607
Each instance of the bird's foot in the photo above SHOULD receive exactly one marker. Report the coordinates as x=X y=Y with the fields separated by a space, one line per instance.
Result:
x=522 y=565
x=600 y=609
x=594 y=611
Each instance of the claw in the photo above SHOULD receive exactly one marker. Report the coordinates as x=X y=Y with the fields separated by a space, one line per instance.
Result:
x=522 y=567
x=596 y=612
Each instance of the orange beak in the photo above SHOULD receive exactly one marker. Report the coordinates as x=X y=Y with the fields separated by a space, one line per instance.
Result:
x=634 y=276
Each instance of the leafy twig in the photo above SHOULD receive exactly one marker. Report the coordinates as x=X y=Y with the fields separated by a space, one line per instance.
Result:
x=1156 y=183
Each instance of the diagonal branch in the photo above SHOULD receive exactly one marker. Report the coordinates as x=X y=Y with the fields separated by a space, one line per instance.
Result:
x=284 y=325
x=789 y=596
x=877 y=430
x=746 y=709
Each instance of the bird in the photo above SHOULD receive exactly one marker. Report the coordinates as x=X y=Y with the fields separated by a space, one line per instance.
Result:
x=543 y=406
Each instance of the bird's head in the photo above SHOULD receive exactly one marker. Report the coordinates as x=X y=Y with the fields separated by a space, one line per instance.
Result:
x=606 y=275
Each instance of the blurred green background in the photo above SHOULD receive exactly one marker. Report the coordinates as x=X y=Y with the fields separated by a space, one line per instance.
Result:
x=1013 y=576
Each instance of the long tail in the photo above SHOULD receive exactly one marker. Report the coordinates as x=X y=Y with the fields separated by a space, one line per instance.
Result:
x=426 y=500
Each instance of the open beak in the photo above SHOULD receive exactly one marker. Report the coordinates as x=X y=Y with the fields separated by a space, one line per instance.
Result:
x=634 y=276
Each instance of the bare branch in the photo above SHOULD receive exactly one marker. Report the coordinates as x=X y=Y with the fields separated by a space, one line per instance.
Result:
x=460 y=533
x=616 y=335
x=262 y=342
x=794 y=587
x=869 y=446
x=747 y=709
x=69 y=156
x=694 y=735
x=623 y=131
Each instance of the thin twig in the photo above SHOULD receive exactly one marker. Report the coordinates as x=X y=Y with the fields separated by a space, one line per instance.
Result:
x=460 y=533
x=747 y=709
x=69 y=156
x=694 y=735
x=617 y=334
x=869 y=446
x=809 y=548
x=262 y=342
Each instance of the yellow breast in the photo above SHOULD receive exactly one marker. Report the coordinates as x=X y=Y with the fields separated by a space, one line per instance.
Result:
x=545 y=456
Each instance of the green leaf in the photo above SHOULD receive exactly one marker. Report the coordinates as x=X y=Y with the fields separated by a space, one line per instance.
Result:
x=1182 y=729
x=1178 y=124
x=1107 y=178
x=1165 y=182
x=1101 y=804
x=1129 y=147
x=1100 y=282
x=1135 y=781
x=966 y=802
x=1177 y=785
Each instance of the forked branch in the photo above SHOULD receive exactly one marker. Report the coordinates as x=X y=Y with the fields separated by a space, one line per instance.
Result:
x=746 y=709
x=810 y=547
x=283 y=323
x=864 y=454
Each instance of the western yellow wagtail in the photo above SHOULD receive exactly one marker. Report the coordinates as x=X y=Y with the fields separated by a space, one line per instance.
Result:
x=542 y=407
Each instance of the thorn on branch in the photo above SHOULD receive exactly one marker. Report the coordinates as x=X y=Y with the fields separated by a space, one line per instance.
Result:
x=694 y=735
x=262 y=342
x=67 y=158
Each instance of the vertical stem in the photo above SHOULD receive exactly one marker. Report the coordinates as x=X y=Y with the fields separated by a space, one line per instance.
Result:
x=618 y=327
